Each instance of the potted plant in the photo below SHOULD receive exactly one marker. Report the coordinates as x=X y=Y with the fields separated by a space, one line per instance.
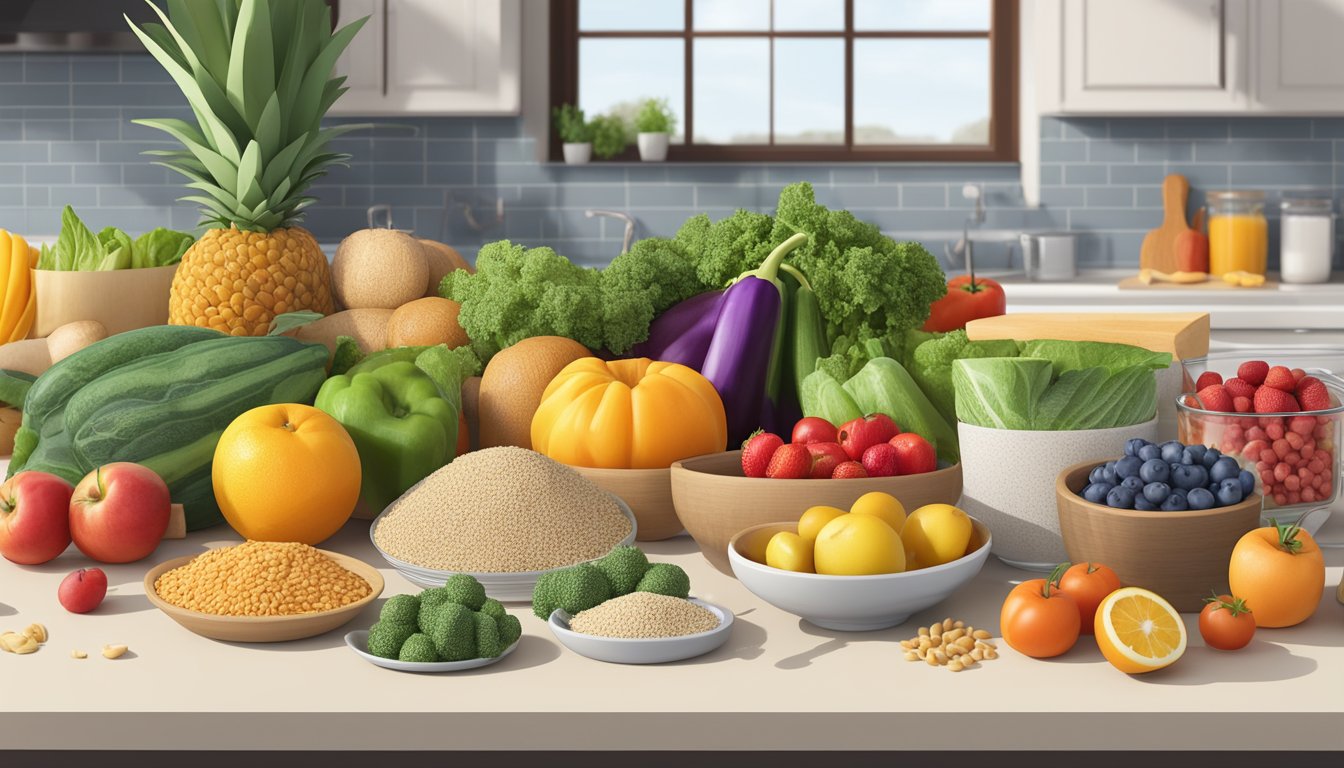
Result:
x=608 y=135
x=655 y=123
x=575 y=133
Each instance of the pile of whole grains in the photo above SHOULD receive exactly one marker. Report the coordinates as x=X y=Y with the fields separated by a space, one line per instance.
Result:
x=501 y=510
x=952 y=644
x=641 y=615
x=261 y=578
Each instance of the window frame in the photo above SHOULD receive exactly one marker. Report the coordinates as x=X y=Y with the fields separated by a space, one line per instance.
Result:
x=1003 y=133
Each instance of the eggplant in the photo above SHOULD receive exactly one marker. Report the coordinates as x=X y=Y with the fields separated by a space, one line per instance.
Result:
x=682 y=333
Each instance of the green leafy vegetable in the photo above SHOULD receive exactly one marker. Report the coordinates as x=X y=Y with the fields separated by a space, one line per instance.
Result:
x=609 y=136
x=931 y=365
x=116 y=250
x=1076 y=355
x=159 y=248
x=14 y=386
x=77 y=249
x=1000 y=392
x=291 y=320
x=346 y=356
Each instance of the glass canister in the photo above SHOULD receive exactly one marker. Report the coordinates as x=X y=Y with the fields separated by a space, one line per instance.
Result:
x=1238 y=232
x=1307 y=239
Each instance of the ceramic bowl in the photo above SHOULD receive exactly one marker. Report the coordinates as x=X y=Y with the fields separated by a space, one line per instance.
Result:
x=1010 y=483
x=358 y=641
x=715 y=501
x=265 y=629
x=649 y=494
x=852 y=603
x=1179 y=555
x=505 y=587
x=656 y=650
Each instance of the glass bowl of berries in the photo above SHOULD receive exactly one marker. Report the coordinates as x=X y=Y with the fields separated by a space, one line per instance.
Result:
x=1278 y=413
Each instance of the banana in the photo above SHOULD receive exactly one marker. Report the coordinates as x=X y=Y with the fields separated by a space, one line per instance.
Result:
x=25 y=323
x=17 y=281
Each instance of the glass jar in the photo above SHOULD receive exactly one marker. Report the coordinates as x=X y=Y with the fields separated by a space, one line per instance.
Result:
x=1307 y=242
x=1238 y=232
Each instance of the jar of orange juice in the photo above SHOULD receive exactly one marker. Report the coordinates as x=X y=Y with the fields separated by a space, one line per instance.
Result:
x=1238 y=232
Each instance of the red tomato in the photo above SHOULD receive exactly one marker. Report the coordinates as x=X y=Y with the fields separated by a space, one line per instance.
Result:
x=1226 y=623
x=858 y=435
x=1038 y=620
x=966 y=301
x=1088 y=584
x=914 y=455
x=813 y=429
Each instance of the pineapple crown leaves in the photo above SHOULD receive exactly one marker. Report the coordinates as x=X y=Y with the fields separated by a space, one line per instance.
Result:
x=257 y=76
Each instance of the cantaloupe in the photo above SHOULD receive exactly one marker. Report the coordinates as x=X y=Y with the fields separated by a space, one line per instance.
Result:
x=512 y=385
x=441 y=260
x=379 y=269
x=425 y=322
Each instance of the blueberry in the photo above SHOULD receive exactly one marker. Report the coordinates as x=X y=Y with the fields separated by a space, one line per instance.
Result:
x=1229 y=492
x=1133 y=483
x=1108 y=473
x=1156 y=493
x=1247 y=479
x=1144 y=505
x=1189 y=476
x=1211 y=457
x=1201 y=498
x=1155 y=471
x=1097 y=475
x=1225 y=468
x=1128 y=467
x=1096 y=492
x=1133 y=445
x=1172 y=451
x=1179 y=492
x=1175 y=503
x=1121 y=498
x=1149 y=452
x=1193 y=454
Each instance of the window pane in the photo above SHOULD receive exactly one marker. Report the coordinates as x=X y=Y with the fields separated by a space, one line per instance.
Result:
x=809 y=91
x=733 y=15
x=921 y=14
x=616 y=74
x=624 y=14
x=810 y=15
x=732 y=90
x=899 y=98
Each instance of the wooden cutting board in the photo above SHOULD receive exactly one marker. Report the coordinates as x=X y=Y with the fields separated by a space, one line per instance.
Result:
x=1159 y=245
x=1184 y=334
x=1213 y=284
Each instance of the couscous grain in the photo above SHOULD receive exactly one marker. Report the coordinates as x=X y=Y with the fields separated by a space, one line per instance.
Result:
x=644 y=615
x=261 y=578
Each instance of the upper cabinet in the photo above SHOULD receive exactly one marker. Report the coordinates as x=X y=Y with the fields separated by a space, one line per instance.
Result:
x=1187 y=56
x=432 y=57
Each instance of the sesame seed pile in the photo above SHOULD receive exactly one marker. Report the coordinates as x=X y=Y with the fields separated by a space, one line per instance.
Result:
x=261 y=578
x=644 y=615
x=501 y=510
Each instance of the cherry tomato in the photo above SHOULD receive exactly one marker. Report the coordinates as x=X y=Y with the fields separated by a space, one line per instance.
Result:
x=1226 y=623
x=813 y=429
x=1038 y=620
x=1088 y=584
x=966 y=301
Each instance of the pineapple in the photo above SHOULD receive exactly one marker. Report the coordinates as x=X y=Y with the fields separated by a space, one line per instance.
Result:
x=257 y=75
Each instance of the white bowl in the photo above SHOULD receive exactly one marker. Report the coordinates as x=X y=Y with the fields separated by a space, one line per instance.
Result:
x=654 y=650
x=359 y=641
x=1008 y=481
x=852 y=603
x=505 y=587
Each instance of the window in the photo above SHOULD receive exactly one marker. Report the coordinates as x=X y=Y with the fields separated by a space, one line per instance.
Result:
x=810 y=80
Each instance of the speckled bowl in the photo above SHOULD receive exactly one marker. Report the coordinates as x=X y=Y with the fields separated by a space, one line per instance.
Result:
x=1008 y=483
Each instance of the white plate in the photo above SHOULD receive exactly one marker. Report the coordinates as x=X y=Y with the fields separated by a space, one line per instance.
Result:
x=504 y=587
x=359 y=641
x=657 y=650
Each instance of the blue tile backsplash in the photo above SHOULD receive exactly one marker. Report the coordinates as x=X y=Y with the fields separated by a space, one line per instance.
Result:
x=66 y=137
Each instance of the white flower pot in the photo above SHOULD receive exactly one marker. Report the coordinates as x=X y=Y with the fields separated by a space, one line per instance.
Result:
x=577 y=153
x=653 y=147
x=1008 y=482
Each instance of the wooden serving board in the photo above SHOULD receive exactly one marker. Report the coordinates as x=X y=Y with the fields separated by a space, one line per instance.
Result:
x=1133 y=283
x=1183 y=334
x=1159 y=245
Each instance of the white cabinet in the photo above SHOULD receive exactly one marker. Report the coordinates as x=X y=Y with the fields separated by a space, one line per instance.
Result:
x=432 y=57
x=1297 y=55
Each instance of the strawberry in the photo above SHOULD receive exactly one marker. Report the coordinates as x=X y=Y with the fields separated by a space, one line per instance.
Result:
x=1208 y=378
x=756 y=452
x=790 y=462
x=880 y=460
x=1239 y=388
x=1215 y=398
x=1242 y=404
x=825 y=458
x=1298 y=375
x=1253 y=372
x=1312 y=394
x=1280 y=378
x=1271 y=400
x=849 y=470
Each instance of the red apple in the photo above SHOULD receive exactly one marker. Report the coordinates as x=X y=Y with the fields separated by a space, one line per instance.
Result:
x=880 y=460
x=119 y=513
x=82 y=590
x=914 y=455
x=860 y=434
x=825 y=458
x=813 y=429
x=34 y=517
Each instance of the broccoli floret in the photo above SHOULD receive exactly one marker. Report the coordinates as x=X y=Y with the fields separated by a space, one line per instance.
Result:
x=933 y=360
x=724 y=249
x=401 y=609
x=453 y=630
x=387 y=637
x=489 y=643
x=418 y=648
x=572 y=589
x=465 y=590
x=623 y=567
x=639 y=285
x=510 y=629
x=492 y=607
x=665 y=579
x=346 y=356
x=429 y=600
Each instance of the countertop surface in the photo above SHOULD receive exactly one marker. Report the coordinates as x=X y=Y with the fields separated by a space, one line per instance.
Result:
x=778 y=683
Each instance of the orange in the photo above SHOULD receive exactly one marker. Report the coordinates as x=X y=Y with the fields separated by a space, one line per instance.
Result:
x=1138 y=631
x=286 y=473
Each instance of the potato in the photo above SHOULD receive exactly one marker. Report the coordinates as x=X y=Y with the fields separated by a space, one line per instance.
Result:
x=72 y=337
x=28 y=355
x=368 y=327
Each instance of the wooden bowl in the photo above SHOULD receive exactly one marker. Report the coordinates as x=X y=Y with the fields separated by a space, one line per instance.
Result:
x=10 y=420
x=649 y=494
x=265 y=629
x=1181 y=556
x=715 y=502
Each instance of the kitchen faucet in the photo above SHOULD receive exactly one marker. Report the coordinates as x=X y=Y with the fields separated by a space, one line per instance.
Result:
x=629 y=224
x=961 y=250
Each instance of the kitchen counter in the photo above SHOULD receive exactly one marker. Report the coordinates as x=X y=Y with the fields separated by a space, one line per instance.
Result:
x=779 y=683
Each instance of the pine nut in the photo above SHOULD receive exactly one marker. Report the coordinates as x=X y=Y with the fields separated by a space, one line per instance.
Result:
x=980 y=634
x=78 y=655
x=923 y=631
x=114 y=651
x=958 y=624
x=955 y=666
x=37 y=632
x=935 y=630
x=909 y=646
x=947 y=624
x=953 y=635
x=977 y=654
x=990 y=654
x=931 y=660
x=940 y=656
x=951 y=643
x=966 y=644
x=911 y=656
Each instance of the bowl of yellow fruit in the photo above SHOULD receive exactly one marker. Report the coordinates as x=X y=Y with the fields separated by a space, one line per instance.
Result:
x=865 y=568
